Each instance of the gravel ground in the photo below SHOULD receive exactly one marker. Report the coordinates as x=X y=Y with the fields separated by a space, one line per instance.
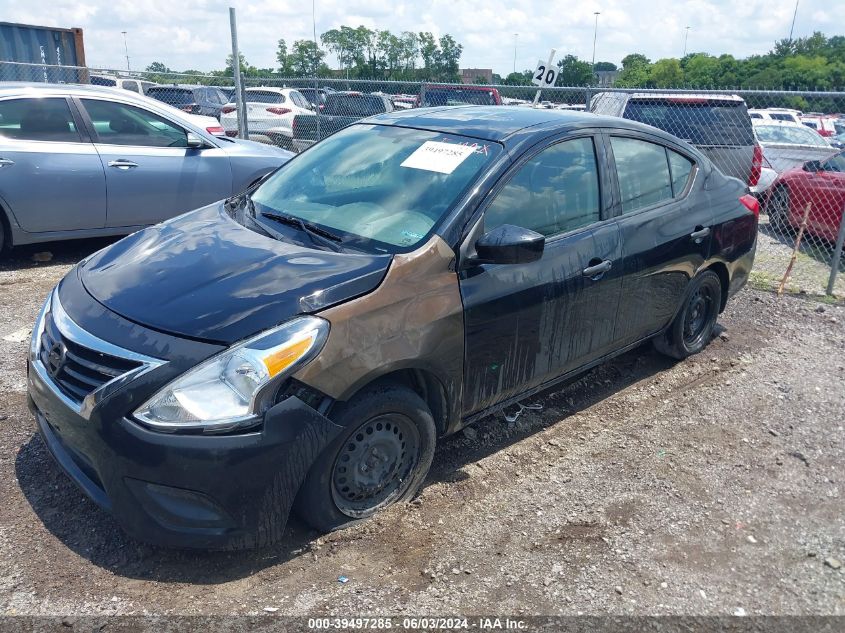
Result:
x=811 y=270
x=709 y=486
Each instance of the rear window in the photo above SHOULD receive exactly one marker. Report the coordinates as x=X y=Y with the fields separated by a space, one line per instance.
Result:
x=353 y=105
x=173 y=96
x=102 y=81
x=790 y=135
x=704 y=122
x=457 y=96
x=264 y=96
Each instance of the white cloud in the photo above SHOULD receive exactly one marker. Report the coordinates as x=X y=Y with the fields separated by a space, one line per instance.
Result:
x=195 y=33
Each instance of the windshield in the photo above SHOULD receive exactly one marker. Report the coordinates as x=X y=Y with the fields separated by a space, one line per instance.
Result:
x=835 y=163
x=354 y=105
x=264 y=96
x=381 y=188
x=797 y=135
x=704 y=122
x=173 y=96
x=457 y=96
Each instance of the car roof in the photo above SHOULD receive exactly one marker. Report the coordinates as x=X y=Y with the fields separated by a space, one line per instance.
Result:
x=498 y=123
x=269 y=89
x=680 y=96
x=776 y=123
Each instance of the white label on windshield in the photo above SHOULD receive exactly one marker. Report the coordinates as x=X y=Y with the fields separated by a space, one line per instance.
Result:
x=443 y=158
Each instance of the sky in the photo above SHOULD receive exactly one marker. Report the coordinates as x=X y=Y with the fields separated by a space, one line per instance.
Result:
x=195 y=33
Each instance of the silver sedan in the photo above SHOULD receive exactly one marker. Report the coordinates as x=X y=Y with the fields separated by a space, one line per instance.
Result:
x=86 y=161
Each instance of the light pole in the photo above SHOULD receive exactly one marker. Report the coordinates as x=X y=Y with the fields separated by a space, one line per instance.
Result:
x=595 y=35
x=791 y=28
x=686 y=36
x=515 y=40
x=126 y=50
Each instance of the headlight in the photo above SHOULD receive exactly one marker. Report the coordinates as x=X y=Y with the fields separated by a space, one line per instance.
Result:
x=235 y=387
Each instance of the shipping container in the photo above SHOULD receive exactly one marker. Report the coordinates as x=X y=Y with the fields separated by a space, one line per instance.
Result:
x=38 y=51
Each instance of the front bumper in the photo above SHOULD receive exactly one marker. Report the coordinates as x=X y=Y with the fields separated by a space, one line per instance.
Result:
x=176 y=490
x=197 y=491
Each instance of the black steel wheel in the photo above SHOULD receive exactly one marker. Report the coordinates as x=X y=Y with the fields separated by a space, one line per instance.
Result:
x=374 y=466
x=693 y=327
x=381 y=457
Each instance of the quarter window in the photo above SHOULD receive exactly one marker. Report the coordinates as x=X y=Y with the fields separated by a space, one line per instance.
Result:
x=681 y=168
x=643 y=173
x=37 y=120
x=120 y=124
x=554 y=192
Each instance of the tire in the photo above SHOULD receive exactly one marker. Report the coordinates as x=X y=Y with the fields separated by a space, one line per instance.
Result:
x=692 y=328
x=389 y=431
x=778 y=210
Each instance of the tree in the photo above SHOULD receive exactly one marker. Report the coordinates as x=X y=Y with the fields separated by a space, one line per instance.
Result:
x=450 y=55
x=283 y=58
x=635 y=71
x=246 y=69
x=519 y=79
x=667 y=73
x=158 y=67
x=306 y=60
x=702 y=71
x=430 y=54
x=605 y=66
x=574 y=72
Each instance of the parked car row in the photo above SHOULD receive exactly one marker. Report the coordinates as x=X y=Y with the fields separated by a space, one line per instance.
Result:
x=83 y=161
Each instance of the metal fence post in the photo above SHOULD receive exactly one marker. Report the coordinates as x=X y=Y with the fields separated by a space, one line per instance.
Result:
x=243 y=129
x=837 y=254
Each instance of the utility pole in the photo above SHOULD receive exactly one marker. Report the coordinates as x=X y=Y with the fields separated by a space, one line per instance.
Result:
x=515 y=39
x=791 y=28
x=126 y=50
x=686 y=36
x=595 y=35
x=243 y=128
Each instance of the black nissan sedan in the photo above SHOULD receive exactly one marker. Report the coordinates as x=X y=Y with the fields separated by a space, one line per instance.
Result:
x=303 y=345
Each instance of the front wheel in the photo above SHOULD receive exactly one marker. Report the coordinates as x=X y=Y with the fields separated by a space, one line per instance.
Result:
x=692 y=329
x=380 y=458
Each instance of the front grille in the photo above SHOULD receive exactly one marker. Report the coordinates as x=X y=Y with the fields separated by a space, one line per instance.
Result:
x=77 y=370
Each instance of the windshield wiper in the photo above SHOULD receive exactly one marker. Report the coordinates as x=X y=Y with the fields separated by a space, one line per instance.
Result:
x=318 y=235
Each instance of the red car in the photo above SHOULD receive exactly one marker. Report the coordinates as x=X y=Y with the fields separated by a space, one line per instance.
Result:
x=818 y=182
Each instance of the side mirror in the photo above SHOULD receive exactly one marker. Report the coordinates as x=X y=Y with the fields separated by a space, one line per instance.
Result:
x=509 y=244
x=195 y=142
x=812 y=165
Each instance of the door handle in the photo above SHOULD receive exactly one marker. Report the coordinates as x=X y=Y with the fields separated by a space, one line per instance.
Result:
x=596 y=271
x=5 y=162
x=699 y=234
x=122 y=163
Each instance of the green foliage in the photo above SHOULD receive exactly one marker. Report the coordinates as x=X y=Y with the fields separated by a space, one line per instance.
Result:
x=605 y=66
x=574 y=72
x=666 y=73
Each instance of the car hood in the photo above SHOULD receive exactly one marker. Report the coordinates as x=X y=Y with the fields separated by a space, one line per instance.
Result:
x=204 y=276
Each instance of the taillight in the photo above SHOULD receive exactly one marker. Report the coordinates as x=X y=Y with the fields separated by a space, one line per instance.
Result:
x=824 y=132
x=228 y=109
x=216 y=130
x=756 y=166
x=751 y=203
x=278 y=110
x=232 y=133
x=187 y=108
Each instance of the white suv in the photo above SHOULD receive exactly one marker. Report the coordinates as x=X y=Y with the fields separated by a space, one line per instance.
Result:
x=776 y=114
x=267 y=108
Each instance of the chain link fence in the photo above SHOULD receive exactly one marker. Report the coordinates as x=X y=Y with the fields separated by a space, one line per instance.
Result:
x=787 y=146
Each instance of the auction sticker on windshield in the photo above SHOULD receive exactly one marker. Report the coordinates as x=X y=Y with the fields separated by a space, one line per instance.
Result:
x=443 y=158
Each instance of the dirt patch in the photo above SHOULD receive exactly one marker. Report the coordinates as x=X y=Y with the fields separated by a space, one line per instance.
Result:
x=646 y=487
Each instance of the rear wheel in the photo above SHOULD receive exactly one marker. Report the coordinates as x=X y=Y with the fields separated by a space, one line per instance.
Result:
x=381 y=458
x=692 y=329
x=778 y=209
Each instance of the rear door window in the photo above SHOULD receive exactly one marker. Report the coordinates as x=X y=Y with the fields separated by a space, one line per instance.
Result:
x=697 y=121
x=173 y=96
x=38 y=120
x=680 y=168
x=642 y=169
x=265 y=96
x=554 y=192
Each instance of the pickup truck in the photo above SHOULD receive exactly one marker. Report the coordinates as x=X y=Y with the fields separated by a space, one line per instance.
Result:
x=339 y=110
